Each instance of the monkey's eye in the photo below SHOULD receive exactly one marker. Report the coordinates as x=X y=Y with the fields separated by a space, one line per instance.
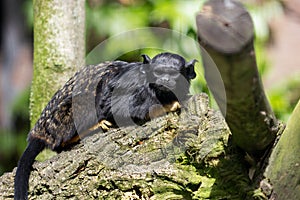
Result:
x=158 y=72
x=173 y=73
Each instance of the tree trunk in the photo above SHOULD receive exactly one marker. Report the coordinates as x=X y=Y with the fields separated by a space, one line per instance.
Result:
x=283 y=172
x=225 y=30
x=59 y=48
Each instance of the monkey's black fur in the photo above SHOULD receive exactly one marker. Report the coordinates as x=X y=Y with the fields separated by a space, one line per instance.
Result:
x=121 y=92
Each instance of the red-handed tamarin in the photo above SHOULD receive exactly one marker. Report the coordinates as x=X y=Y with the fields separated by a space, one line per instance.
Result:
x=121 y=93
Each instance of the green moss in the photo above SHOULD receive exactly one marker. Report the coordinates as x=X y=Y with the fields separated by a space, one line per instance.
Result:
x=45 y=155
x=58 y=49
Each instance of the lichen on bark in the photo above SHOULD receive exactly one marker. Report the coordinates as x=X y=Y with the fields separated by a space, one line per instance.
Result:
x=59 y=48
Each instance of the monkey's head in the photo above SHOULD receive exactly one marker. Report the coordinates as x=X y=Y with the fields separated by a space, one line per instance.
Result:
x=168 y=71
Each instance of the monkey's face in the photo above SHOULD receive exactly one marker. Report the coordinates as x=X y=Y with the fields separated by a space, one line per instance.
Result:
x=168 y=71
x=166 y=76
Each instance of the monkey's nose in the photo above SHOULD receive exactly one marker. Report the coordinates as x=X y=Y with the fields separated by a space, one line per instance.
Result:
x=165 y=79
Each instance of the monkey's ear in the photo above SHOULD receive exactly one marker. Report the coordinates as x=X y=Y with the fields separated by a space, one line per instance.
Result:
x=146 y=59
x=145 y=65
x=190 y=69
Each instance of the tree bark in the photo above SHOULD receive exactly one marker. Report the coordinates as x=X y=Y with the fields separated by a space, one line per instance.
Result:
x=283 y=172
x=225 y=30
x=59 y=48
x=172 y=157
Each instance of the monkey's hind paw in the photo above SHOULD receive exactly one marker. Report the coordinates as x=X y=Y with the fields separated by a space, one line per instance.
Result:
x=103 y=124
x=175 y=106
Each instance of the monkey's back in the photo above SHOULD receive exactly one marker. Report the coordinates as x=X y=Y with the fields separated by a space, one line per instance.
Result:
x=56 y=123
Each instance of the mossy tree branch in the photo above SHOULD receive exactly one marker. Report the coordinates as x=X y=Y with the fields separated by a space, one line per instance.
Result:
x=172 y=157
x=225 y=30
x=283 y=172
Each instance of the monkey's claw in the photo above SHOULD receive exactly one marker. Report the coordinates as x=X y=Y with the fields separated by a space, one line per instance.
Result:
x=175 y=106
x=103 y=124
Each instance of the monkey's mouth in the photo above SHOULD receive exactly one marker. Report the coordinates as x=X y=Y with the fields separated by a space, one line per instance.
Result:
x=164 y=85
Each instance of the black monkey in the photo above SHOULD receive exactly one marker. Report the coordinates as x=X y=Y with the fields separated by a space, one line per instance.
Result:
x=120 y=92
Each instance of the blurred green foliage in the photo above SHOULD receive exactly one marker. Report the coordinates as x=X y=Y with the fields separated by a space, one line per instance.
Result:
x=261 y=16
x=108 y=18
x=13 y=142
x=284 y=97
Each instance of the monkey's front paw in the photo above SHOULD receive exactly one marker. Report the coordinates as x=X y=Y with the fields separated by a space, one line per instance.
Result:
x=175 y=106
x=103 y=124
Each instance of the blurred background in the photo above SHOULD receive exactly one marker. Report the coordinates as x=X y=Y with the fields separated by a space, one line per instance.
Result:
x=277 y=45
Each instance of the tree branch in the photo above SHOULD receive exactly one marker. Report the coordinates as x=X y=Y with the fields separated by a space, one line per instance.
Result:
x=225 y=30
x=283 y=172
x=169 y=157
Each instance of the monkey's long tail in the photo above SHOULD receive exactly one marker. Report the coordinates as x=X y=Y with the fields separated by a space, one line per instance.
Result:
x=35 y=146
